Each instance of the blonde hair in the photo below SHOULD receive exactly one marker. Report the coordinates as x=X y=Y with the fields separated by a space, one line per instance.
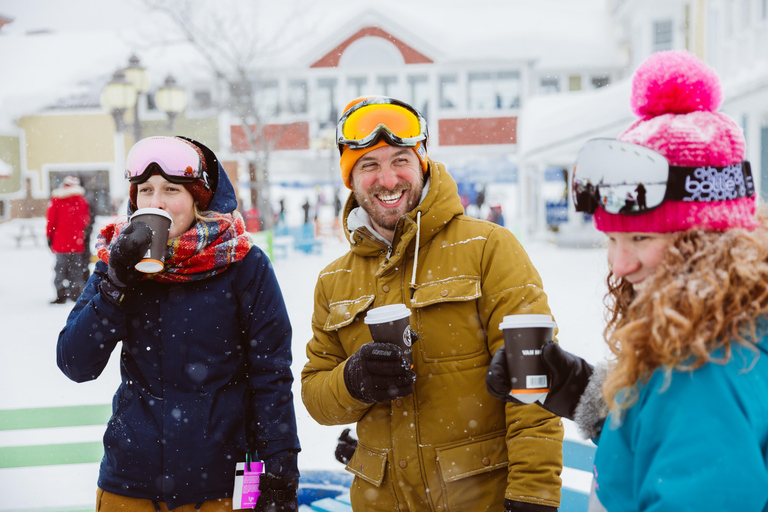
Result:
x=706 y=295
x=207 y=214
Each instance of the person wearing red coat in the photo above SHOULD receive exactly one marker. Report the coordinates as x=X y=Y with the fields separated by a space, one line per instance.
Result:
x=67 y=219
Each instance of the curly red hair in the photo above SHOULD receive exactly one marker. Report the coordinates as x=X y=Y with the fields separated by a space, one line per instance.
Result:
x=707 y=294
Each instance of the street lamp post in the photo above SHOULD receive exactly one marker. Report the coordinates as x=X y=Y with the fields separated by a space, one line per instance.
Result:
x=121 y=94
x=171 y=99
x=139 y=78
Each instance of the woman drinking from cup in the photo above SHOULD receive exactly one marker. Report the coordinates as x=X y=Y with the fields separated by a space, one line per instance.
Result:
x=685 y=393
x=206 y=344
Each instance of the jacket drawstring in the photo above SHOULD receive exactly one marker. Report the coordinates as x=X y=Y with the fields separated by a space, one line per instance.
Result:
x=416 y=252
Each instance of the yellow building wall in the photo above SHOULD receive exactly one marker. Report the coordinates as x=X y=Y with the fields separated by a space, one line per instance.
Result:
x=54 y=138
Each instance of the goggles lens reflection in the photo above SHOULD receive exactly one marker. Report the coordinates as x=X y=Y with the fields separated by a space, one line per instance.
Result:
x=619 y=177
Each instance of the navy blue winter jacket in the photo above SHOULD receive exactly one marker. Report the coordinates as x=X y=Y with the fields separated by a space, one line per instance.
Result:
x=205 y=371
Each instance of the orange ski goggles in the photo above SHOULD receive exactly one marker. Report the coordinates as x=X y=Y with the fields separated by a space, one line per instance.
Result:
x=367 y=122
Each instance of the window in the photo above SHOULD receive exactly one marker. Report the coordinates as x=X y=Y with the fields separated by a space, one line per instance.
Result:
x=356 y=86
x=325 y=102
x=508 y=89
x=480 y=91
x=549 y=85
x=386 y=85
x=493 y=91
x=600 y=81
x=267 y=98
x=574 y=83
x=201 y=99
x=449 y=91
x=3 y=209
x=662 y=35
x=418 y=94
x=297 y=96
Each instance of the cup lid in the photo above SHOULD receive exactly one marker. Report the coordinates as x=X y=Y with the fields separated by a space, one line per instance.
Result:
x=388 y=313
x=513 y=321
x=152 y=211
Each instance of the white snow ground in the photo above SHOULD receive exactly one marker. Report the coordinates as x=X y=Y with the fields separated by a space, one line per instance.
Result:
x=29 y=377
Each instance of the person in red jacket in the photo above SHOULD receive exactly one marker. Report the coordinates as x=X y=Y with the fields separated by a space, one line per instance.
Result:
x=67 y=218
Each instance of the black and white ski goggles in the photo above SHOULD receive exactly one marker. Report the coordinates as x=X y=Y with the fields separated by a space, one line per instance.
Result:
x=621 y=177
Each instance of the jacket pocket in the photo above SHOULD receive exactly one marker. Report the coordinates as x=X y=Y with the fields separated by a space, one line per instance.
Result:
x=474 y=474
x=448 y=321
x=342 y=313
x=368 y=464
x=457 y=462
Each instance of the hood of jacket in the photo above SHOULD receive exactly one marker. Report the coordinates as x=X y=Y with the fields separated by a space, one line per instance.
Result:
x=224 y=199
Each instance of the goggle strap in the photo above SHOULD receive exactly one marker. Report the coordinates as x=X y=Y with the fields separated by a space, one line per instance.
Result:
x=710 y=183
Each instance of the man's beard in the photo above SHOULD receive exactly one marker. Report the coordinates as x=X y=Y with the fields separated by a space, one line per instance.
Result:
x=374 y=210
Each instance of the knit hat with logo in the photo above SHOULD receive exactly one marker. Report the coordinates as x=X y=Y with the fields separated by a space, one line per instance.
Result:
x=677 y=96
x=350 y=156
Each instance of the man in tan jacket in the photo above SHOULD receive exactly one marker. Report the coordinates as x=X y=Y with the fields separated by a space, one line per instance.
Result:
x=431 y=437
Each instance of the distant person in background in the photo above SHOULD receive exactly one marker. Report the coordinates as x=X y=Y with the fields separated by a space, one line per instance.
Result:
x=281 y=213
x=66 y=221
x=306 y=207
x=495 y=214
x=338 y=229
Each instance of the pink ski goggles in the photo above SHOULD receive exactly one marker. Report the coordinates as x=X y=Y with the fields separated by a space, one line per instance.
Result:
x=178 y=162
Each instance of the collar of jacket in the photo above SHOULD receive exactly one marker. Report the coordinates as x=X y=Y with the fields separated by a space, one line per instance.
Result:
x=440 y=205
x=62 y=192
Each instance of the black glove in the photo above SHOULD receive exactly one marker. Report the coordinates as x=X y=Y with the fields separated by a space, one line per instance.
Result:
x=131 y=245
x=50 y=242
x=569 y=376
x=346 y=447
x=278 y=494
x=378 y=373
x=519 y=506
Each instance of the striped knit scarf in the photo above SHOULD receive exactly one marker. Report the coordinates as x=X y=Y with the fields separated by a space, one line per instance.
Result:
x=206 y=249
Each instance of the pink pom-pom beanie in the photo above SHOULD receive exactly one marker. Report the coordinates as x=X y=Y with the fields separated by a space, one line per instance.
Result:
x=676 y=96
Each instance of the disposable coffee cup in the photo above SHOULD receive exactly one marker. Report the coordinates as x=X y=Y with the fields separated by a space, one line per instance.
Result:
x=390 y=324
x=524 y=336
x=160 y=223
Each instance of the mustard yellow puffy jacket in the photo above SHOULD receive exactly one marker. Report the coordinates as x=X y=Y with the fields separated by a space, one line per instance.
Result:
x=450 y=446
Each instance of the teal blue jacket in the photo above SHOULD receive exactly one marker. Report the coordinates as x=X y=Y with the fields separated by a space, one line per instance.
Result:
x=693 y=441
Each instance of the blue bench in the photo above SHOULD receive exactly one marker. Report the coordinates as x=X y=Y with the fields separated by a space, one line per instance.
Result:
x=303 y=237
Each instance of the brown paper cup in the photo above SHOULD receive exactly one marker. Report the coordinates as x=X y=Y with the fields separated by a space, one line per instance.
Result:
x=160 y=223
x=524 y=335
x=389 y=324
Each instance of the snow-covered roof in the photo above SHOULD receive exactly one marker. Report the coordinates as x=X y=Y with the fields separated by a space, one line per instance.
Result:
x=553 y=127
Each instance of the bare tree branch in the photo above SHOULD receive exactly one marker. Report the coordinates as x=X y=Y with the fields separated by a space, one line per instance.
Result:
x=236 y=38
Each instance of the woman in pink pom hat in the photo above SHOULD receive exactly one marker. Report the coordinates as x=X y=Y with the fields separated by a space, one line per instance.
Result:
x=680 y=413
